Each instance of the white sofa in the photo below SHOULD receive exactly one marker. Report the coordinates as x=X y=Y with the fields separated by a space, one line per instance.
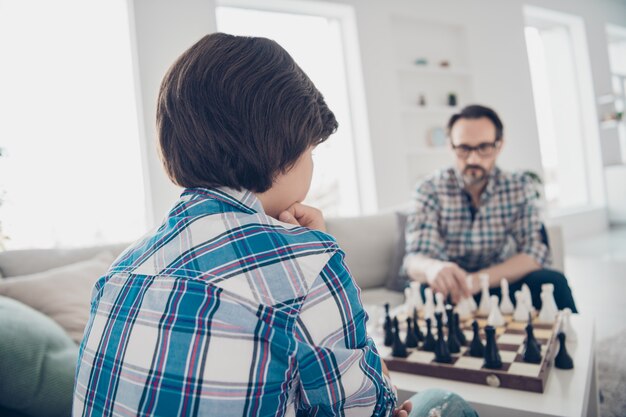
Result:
x=370 y=244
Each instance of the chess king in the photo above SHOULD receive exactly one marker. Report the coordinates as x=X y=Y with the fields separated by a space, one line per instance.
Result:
x=473 y=219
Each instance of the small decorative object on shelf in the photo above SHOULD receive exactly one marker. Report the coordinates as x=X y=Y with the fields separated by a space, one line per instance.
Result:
x=452 y=100
x=444 y=64
x=421 y=61
x=437 y=137
x=422 y=100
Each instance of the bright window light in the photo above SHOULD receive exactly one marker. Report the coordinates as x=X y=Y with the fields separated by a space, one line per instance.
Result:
x=559 y=116
x=71 y=170
x=315 y=42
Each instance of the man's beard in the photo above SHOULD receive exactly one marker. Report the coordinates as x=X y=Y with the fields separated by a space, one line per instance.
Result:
x=474 y=174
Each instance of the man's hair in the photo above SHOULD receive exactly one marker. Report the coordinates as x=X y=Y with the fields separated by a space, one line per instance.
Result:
x=476 y=111
x=236 y=111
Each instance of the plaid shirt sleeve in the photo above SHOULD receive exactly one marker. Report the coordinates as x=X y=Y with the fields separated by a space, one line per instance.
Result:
x=339 y=367
x=527 y=225
x=422 y=232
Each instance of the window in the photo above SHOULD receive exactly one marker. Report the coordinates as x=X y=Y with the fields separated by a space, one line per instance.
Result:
x=564 y=107
x=71 y=170
x=318 y=39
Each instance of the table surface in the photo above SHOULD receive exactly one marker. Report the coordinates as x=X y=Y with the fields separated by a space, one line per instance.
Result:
x=567 y=392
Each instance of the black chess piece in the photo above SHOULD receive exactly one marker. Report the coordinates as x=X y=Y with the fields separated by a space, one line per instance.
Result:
x=388 y=327
x=492 y=355
x=429 y=340
x=532 y=349
x=442 y=353
x=398 y=349
x=416 y=328
x=454 y=346
x=534 y=340
x=477 y=349
x=410 y=341
x=459 y=333
x=563 y=360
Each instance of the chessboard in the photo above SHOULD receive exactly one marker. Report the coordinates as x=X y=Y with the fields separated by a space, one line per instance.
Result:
x=510 y=339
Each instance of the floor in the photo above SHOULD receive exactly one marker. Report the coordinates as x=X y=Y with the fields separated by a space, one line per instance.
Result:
x=596 y=269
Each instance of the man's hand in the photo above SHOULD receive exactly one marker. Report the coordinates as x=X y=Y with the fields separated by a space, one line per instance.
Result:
x=449 y=279
x=404 y=410
x=303 y=215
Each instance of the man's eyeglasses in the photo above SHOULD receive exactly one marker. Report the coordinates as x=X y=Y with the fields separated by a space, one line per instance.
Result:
x=485 y=149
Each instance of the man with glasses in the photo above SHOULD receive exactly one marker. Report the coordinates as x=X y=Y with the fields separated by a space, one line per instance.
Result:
x=474 y=218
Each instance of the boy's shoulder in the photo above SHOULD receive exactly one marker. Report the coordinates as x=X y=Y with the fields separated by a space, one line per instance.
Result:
x=241 y=252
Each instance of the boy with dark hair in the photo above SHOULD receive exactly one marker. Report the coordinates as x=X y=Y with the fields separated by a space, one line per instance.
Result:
x=239 y=304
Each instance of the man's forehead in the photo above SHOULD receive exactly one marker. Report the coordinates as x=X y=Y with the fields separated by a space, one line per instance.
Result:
x=473 y=131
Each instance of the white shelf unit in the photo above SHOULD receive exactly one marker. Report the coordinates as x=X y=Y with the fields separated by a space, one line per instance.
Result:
x=415 y=38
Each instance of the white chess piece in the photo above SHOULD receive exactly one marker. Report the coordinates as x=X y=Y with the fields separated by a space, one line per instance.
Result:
x=417 y=295
x=549 y=288
x=471 y=303
x=429 y=306
x=463 y=309
x=495 y=318
x=408 y=301
x=506 y=306
x=485 y=303
x=528 y=298
x=548 y=313
x=521 y=308
x=566 y=326
x=440 y=307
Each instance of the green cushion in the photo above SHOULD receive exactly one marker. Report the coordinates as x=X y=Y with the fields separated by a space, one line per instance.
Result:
x=37 y=362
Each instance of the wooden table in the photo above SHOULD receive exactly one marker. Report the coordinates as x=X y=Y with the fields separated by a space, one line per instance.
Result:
x=570 y=393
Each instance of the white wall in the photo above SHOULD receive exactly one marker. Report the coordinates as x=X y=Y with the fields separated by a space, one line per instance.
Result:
x=498 y=61
x=163 y=30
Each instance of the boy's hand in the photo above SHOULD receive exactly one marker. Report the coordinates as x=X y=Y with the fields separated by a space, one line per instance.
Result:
x=302 y=215
x=404 y=410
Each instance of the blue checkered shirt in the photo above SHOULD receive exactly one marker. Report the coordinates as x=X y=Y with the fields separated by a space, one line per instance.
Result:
x=444 y=225
x=225 y=311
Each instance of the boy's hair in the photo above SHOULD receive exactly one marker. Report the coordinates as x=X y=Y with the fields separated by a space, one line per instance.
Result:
x=236 y=111
x=476 y=111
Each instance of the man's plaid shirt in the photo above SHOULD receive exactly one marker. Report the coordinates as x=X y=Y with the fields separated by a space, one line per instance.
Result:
x=444 y=225
x=225 y=311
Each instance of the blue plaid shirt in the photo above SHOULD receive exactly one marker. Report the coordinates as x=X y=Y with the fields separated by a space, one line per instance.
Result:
x=444 y=225
x=225 y=311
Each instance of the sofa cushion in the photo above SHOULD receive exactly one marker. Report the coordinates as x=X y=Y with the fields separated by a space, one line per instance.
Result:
x=368 y=242
x=30 y=261
x=37 y=362
x=397 y=278
x=63 y=294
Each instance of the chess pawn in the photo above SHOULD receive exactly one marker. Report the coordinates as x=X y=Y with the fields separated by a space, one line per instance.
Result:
x=566 y=326
x=548 y=313
x=485 y=303
x=471 y=303
x=416 y=295
x=408 y=299
x=528 y=299
x=492 y=355
x=477 y=349
x=411 y=340
x=532 y=350
x=429 y=305
x=495 y=318
x=506 y=306
x=454 y=345
x=563 y=360
x=429 y=340
x=521 y=308
x=398 y=349
x=549 y=288
x=463 y=309
x=440 y=307
x=442 y=352
x=416 y=327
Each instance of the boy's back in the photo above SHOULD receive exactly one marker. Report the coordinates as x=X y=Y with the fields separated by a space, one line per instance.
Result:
x=227 y=311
